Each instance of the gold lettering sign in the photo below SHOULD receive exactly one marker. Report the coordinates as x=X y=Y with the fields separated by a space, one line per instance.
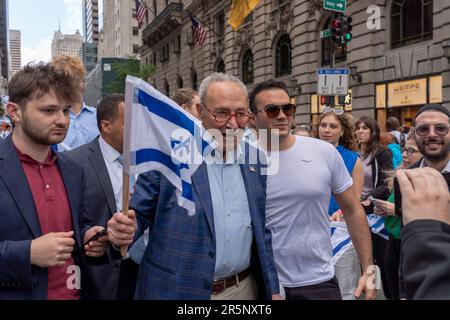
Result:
x=436 y=89
x=407 y=93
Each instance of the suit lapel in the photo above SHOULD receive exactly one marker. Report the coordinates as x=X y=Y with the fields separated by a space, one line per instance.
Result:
x=13 y=175
x=98 y=163
x=72 y=191
x=201 y=186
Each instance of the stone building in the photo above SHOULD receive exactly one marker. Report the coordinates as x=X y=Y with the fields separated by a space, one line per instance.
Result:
x=69 y=44
x=398 y=62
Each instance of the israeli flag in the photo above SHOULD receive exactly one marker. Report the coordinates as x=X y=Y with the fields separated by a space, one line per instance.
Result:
x=159 y=135
x=340 y=239
x=376 y=224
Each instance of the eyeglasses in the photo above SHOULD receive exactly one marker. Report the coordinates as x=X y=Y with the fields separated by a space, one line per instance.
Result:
x=273 y=111
x=337 y=111
x=223 y=116
x=441 y=129
x=410 y=151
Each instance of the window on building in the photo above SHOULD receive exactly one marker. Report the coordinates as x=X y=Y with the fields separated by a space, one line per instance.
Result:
x=135 y=48
x=220 y=25
x=411 y=22
x=155 y=12
x=283 y=56
x=220 y=66
x=194 y=80
x=180 y=82
x=340 y=51
x=247 y=67
x=135 y=31
x=167 y=87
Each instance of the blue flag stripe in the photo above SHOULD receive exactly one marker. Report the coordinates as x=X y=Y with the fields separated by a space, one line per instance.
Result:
x=168 y=113
x=340 y=245
x=153 y=155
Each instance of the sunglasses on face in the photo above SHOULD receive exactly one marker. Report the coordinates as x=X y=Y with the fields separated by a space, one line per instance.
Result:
x=273 y=111
x=441 y=129
x=336 y=111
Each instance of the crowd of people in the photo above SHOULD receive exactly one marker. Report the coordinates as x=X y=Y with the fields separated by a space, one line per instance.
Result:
x=252 y=236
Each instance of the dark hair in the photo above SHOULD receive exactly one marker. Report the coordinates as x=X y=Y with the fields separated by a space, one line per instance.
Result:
x=108 y=108
x=37 y=80
x=184 y=96
x=348 y=140
x=392 y=124
x=267 y=85
x=373 y=145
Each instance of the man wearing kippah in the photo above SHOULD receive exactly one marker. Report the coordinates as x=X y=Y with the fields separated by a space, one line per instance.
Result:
x=431 y=129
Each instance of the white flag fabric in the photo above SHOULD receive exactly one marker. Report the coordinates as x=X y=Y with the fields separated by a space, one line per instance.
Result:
x=376 y=224
x=340 y=239
x=159 y=135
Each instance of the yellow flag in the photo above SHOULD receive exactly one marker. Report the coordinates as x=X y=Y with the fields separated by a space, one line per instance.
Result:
x=240 y=9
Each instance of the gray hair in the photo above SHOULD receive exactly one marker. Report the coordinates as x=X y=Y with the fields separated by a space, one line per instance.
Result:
x=218 y=77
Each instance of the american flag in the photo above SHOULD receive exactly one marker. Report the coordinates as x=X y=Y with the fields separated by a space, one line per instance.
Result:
x=200 y=32
x=141 y=12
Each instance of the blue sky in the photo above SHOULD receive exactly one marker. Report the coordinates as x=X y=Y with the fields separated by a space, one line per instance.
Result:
x=38 y=20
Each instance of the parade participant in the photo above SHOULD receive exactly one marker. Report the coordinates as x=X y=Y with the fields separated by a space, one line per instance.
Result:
x=188 y=99
x=42 y=221
x=298 y=198
x=223 y=251
x=336 y=128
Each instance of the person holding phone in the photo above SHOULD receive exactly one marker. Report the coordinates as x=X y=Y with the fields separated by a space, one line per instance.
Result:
x=425 y=248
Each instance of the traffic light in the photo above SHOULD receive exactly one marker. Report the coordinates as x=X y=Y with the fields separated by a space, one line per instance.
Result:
x=336 y=30
x=346 y=29
x=326 y=100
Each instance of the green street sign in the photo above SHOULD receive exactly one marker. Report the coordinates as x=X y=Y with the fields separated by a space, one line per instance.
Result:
x=335 y=5
x=325 y=33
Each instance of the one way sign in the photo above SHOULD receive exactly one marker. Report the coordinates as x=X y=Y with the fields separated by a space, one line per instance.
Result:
x=333 y=82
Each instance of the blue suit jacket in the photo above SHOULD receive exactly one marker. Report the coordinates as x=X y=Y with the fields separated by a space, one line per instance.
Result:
x=179 y=261
x=19 y=225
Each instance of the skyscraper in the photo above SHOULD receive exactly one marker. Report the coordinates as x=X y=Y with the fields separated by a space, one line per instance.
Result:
x=70 y=44
x=90 y=21
x=15 y=46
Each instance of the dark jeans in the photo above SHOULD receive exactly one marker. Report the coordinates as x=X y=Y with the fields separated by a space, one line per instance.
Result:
x=392 y=267
x=379 y=245
x=328 y=290
x=127 y=280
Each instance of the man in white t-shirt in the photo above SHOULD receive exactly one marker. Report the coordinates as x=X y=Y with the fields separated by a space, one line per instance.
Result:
x=298 y=197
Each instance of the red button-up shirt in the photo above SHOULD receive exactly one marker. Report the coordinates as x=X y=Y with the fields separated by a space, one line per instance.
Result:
x=53 y=209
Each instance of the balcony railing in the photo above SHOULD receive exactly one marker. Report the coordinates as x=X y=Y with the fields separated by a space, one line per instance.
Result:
x=164 y=23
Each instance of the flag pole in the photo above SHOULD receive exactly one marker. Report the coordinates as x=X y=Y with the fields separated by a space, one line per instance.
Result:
x=125 y=205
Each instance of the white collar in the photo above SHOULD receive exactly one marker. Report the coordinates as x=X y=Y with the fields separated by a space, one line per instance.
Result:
x=108 y=152
x=446 y=169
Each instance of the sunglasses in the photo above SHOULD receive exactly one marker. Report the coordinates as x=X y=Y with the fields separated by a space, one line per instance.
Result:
x=273 y=111
x=441 y=129
x=336 y=111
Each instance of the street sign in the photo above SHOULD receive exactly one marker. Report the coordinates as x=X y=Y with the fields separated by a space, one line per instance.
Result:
x=335 y=5
x=333 y=82
x=325 y=33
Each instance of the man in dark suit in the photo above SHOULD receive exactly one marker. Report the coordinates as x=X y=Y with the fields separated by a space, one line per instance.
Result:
x=43 y=224
x=425 y=247
x=102 y=162
x=224 y=250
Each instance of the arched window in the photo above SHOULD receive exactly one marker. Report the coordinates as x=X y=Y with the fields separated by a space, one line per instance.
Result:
x=340 y=50
x=167 y=87
x=247 y=67
x=283 y=57
x=411 y=22
x=220 y=66
x=194 y=80
x=180 y=82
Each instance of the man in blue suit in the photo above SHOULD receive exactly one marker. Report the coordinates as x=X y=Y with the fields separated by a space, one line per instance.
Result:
x=42 y=220
x=224 y=251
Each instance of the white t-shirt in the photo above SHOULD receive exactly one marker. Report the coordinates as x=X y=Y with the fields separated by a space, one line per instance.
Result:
x=298 y=197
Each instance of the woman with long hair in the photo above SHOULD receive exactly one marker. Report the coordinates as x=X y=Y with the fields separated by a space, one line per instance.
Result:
x=336 y=128
x=377 y=162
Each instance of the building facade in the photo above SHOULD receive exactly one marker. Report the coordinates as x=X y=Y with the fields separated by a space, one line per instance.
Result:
x=15 y=53
x=70 y=44
x=396 y=65
x=91 y=21
x=4 y=41
x=120 y=36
